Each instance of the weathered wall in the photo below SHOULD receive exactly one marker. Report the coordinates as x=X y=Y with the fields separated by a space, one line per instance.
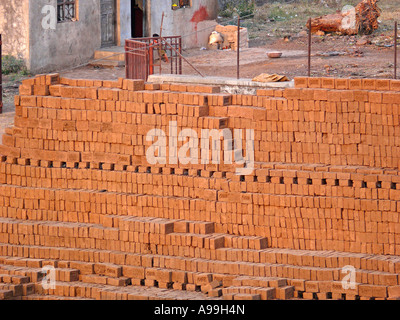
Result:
x=185 y=21
x=14 y=27
x=124 y=19
x=71 y=44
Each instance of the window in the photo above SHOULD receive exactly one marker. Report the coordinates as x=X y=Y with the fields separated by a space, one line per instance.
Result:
x=178 y=4
x=66 y=10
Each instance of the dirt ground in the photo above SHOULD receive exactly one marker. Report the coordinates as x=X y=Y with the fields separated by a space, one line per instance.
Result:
x=332 y=55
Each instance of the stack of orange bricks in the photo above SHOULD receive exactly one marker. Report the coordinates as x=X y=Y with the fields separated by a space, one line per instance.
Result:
x=77 y=193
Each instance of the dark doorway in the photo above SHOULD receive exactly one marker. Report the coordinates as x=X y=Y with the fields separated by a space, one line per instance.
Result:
x=107 y=23
x=137 y=19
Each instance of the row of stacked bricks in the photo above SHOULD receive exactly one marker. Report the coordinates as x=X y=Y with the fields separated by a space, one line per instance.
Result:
x=77 y=192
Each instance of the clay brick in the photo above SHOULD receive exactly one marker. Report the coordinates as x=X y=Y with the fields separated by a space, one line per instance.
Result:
x=347 y=95
x=55 y=90
x=26 y=90
x=28 y=82
x=395 y=85
x=291 y=93
x=28 y=101
x=6 y=294
x=382 y=85
x=245 y=296
x=285 y=293
x=66 y=92
x=394 y=291
x=300 y=82
x=202 y=278
x=355 y=84
x=299 y=285
x=321 y=94
x=328 y=83
x=152 y=86
x=375 y=97
x=314 y=83
x=368 y=84
x=342 y=84
x=17 y=100
x=179 y=276
x=311 y=286
x=177 y=87
x=390 y=97
x=267 y=293
x=118 y=282
x=41 y=90
x=107 y=269
x=112 y=84
x=84 y=268
x=164 y=275
x=360 y=96
x=52 y=79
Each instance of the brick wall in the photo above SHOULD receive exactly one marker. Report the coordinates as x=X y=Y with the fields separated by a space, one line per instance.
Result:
x=326 y=172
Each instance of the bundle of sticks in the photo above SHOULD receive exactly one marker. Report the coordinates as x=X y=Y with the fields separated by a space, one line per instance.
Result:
x=363 y=19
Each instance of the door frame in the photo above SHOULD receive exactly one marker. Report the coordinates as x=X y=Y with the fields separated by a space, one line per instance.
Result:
x=115 y=23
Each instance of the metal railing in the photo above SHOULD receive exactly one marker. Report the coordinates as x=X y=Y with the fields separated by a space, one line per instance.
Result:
x=143 y=55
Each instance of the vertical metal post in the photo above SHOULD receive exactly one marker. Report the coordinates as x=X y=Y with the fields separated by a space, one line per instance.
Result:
x=309 y=47
x=160 y=50
x=238 y=49
x=395 y=50
x=172 y=58
x=127 y=63
x=180 y=59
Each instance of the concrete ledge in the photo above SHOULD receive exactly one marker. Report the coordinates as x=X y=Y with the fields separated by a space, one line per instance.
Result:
x=229 y=85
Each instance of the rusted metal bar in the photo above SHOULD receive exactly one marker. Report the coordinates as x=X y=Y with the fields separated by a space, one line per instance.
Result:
x=309 y=47
x=180 y=54
x=1 y=78
x=176 y=51
x=153 y=44
x=137 y=55
x=238 y=50
x=395 y=50
x=172 y=59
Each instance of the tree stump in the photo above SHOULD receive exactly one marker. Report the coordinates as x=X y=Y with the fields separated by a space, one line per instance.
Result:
x=361 y=19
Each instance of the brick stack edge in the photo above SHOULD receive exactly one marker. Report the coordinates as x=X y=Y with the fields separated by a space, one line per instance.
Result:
x=77 y=192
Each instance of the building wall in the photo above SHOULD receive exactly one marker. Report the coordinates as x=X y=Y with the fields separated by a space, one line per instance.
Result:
x=124 y=28
x=70 y=44
x=186 y=21
x=14 y=28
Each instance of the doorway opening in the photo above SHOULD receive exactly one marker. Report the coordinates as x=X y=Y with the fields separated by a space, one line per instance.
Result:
x=137 y=14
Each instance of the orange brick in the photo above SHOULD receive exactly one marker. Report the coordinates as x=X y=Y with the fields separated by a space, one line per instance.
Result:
x=355 y=84
x=328 y=83
x=314 y=83
x=368 y=84
x=342 y=84
x=382 y=85
x=300 y=82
